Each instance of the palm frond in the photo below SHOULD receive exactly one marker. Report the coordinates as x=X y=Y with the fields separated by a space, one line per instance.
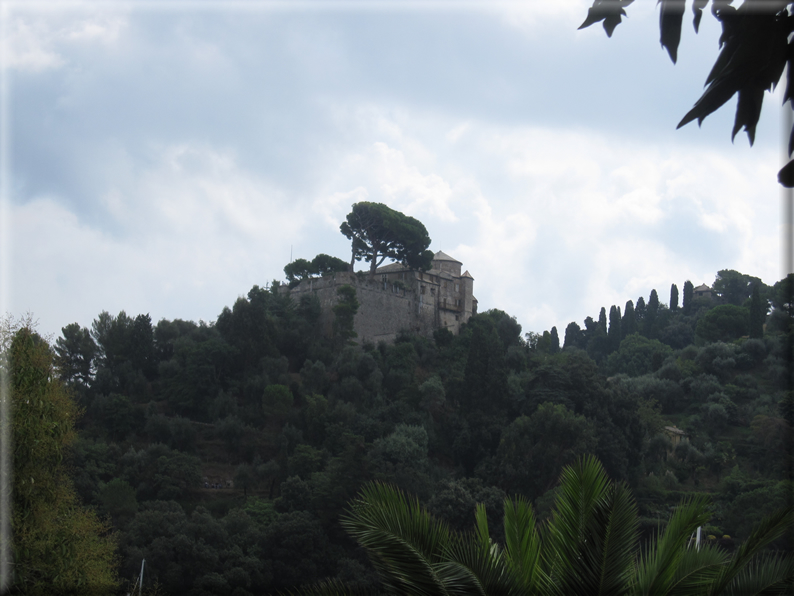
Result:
x=593 y=531
x=769 y=529
x=765 y=575
x=581 y=487
x=329 y=587
x=615 y=537
x=655 y=570
x=404 y=542
x=696 y=569
x=483 y=535
x=523 y=547
x=473 y=569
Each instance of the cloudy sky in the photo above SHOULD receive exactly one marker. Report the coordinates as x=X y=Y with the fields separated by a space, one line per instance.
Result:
x=164 y=157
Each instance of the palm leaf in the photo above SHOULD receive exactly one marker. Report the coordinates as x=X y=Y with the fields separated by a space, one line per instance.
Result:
x=474 y=570
x=617 y=541
x=405 y=543
x=329 y=587
x=765 y=575
x=593 y=531
x=656 y=569
x=671 y=15
x=770 y=528
x=523 y=547
x=696 y=568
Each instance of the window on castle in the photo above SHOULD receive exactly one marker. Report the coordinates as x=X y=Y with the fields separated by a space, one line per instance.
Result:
x=433 y=291
x=457 y=287
x=421 y=289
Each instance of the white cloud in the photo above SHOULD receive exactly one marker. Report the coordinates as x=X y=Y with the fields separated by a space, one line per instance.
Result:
x=36 y=40
x=402 y=184
x=398 y=169
x=193 y=231
x=334 y=207
x=532 y=16
x=580 y=220
x=552 y=223
x=455 y=134
x=28 y=46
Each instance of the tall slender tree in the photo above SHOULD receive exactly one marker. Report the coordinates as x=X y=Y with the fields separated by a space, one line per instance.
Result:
x=758 y=310
x=629 y=324
x=344 y=315
x=602 y=320
x=555 y=341
x=614 y=334
x=60 y=546
x=573 y=336
x=639 y=314
x=651 y=314
x=689 y=293
x=674 y=297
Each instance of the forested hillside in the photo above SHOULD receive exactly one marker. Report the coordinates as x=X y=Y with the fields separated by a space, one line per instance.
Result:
x=225 y=453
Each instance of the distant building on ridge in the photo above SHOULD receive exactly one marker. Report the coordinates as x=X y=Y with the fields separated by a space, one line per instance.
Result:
x=702 y=291
x=399 y=299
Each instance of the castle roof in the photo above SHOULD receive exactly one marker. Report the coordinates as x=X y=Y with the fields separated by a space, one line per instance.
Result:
x=440 y=273
x=467 y=274
x=702 y=288
x=442 y=256
x=391 y=267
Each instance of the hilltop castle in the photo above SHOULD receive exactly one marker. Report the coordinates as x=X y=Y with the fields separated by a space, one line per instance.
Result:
x=400 y=299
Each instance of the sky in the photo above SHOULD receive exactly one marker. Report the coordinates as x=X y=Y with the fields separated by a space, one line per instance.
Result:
x=164 y=157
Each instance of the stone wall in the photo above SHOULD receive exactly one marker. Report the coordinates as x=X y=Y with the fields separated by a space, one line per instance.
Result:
x=384 y=309
x=398 y=299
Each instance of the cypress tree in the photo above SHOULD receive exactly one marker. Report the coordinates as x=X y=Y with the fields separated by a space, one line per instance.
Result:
x=674 y=297
x=629 y=324
x=573 y=336
x=689 y=292
x=757 y=314
x=613 y=336
x=650 y=315
x=555 y=341
x=639 y=314
x=653 y=305
x=602 y=320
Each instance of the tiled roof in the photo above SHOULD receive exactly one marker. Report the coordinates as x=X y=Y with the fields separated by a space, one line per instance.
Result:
x=442 y=256
x=391 y=267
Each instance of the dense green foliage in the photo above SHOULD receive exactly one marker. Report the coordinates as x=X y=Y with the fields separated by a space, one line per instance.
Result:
x=225 y=454
x=379 y=232
x=590 y=545
x=59 y=546
x=322 y=264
